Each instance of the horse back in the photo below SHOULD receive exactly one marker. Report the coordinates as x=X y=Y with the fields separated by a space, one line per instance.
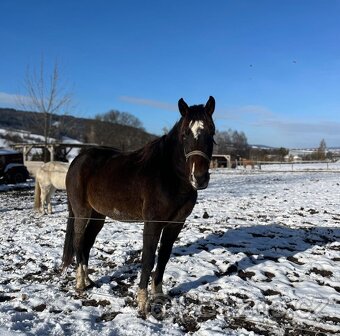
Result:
x=87 y=170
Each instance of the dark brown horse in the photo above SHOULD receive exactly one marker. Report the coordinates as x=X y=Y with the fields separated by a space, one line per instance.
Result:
x=157 y=185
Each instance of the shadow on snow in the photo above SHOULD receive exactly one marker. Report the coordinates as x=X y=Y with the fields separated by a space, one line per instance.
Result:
x=259 y=243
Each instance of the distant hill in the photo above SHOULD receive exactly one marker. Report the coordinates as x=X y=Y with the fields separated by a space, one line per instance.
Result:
x=84 y=130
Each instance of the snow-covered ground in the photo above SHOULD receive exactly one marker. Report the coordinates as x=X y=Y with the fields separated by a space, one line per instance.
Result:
x=260 y=255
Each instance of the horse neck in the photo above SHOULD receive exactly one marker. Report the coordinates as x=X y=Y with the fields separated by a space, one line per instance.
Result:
x=175 y=148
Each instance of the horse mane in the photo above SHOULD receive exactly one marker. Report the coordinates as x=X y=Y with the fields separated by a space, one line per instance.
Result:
x=157 y=149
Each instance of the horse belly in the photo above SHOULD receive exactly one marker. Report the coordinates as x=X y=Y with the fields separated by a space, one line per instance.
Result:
x=123 y=215
x=58 y=181
x=119 y=213
x=117 y=205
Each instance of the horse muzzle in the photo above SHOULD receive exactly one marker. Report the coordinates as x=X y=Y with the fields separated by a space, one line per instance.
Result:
x=199 y=176
x=199 y=182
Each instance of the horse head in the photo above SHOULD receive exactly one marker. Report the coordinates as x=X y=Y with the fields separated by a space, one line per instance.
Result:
x=196 y=134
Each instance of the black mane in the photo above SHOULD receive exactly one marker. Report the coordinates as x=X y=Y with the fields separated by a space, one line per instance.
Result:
x=158 y=149
x=162 y=148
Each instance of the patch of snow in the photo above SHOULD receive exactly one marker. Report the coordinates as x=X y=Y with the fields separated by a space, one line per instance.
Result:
x=264 y=260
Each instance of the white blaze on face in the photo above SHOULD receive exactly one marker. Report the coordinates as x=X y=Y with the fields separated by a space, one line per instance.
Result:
x=196 y=127
x=193 y=178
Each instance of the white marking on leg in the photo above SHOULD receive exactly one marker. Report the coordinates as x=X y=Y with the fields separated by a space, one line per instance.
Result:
x=142 y=298
x=196 y=127
x=88 y=281
x=49 y=208
x=80 y=277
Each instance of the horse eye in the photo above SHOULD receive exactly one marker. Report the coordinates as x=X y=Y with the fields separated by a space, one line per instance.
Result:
x=185 y=134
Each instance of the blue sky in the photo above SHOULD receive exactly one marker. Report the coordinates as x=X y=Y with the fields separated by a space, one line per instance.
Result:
x=273 y=66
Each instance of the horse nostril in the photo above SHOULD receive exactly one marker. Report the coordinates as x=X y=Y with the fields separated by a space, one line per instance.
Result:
x=203 y=178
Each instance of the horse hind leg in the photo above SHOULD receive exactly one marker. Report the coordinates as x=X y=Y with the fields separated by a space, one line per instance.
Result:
x=93 y=228
x=44 y=191
x=50 y=193
x=86 y=230
x=81 y=219
x=37 y=195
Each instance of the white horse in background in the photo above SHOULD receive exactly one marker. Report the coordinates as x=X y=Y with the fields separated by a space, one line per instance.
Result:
x=49 y=177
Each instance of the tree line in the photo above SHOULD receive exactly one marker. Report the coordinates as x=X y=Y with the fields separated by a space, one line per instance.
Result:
x=46 y=95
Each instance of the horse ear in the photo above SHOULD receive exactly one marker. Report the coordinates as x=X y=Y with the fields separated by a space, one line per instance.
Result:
x=210 y=105
x=183 y=107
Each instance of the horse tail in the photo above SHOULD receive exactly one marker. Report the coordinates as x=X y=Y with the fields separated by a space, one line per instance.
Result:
x=37 y=193
x=68 y=244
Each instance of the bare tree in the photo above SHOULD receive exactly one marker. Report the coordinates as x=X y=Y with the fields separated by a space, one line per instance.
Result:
x=45 y=94
x=231 y=142
x=322 y=150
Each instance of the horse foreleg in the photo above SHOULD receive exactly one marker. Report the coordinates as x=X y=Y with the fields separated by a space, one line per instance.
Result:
x=151 y=234
x=169 y=235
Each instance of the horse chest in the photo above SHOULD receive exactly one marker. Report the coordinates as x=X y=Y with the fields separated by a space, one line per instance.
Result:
x=173 y=207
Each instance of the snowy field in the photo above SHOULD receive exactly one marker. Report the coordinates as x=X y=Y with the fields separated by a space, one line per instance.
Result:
x=260 y=255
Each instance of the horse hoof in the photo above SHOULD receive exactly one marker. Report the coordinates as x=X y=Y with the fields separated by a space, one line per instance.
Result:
x=86 y=287
x=159 y=305
x=80 y=286
x=88 y=280
x=142 y=314
x=80 y=291
x=90 y=284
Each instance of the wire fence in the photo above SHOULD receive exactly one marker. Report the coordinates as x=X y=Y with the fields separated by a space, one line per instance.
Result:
x=294 y=166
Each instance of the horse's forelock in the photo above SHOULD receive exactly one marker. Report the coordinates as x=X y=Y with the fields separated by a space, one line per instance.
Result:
x=197 y=113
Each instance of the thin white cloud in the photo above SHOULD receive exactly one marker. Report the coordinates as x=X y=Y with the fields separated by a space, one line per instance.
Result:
x=12 y=99
x=263 y=123
x=298 y=127
x=149 y=102
x=246 y=112
x=261 y=117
